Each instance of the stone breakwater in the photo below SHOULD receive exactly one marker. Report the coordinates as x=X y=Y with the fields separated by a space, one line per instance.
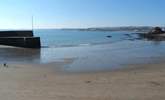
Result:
x=19 y=39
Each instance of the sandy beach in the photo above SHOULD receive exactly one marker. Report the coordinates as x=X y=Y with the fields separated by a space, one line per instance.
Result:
x=38 y=82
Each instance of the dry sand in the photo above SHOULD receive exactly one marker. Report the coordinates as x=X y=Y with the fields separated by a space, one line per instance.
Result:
x=33 y=82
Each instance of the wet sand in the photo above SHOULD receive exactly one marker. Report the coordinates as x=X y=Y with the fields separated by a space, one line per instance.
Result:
x=41 y=82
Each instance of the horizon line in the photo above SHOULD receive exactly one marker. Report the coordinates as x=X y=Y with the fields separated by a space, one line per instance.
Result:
x=82 y=27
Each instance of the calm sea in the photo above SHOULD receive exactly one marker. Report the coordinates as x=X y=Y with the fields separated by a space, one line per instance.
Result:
x=71 y=38
x=87 y=50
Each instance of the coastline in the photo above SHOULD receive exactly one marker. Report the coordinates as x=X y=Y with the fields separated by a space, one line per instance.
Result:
x=40 y=82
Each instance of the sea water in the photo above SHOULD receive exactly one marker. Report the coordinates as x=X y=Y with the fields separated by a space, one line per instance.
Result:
x=69 y=38
x=87 y=50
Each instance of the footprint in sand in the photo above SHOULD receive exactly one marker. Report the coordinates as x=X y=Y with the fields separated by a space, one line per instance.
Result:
x=155 y=83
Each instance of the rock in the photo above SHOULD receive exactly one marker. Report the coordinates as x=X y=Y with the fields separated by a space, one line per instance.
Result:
x=88 y=82
x=109 y=36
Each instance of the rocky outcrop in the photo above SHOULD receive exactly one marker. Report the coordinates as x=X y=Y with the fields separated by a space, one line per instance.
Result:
x=157 y=34
x=157 y=30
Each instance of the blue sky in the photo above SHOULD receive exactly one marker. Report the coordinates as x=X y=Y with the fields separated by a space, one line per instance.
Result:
x=16 y=14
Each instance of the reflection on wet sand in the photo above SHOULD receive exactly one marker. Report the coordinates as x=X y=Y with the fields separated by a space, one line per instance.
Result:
x=11 y=55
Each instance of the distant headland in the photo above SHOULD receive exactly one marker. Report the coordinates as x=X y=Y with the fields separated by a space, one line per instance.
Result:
x=123 y=28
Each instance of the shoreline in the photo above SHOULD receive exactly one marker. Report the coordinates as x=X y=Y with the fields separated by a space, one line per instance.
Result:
x=107 y=55
x=41 y=82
